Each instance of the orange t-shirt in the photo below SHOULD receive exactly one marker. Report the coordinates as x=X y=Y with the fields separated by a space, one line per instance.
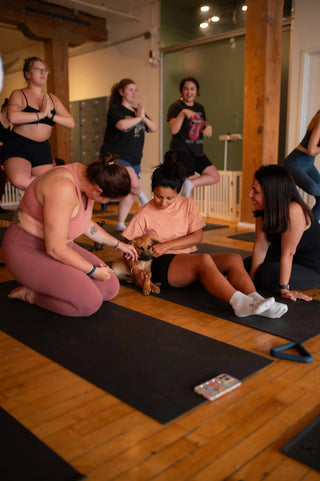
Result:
x=177 y=220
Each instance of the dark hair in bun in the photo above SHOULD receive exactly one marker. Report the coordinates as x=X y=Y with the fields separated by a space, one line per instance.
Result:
x=169 y=174
x=112 y=177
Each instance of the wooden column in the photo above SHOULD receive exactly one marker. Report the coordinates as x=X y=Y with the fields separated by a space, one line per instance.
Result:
x=262 y=92
x=56 y=54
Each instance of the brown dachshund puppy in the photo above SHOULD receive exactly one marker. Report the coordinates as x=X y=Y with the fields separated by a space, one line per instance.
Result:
x=121 y=269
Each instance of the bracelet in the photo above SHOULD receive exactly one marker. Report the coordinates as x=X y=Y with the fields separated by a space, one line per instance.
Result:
x=38 y=118
x=116 y=247
x=284 y=286
x=89 y=274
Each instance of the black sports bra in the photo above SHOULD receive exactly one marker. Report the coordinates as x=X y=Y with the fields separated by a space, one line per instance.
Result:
x=46 y=120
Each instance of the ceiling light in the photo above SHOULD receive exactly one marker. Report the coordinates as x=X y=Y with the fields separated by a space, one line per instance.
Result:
x=204 y=25
x=204 y=8
x=215 y=19
x=244 y=8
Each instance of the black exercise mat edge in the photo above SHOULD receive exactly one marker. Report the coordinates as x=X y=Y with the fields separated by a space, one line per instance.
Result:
x=25 y=457
x=137 y=341
x=288 y=326
x=304 y=447
x=244 y=236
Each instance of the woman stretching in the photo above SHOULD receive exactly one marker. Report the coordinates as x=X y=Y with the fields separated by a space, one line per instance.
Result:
x=175 y=223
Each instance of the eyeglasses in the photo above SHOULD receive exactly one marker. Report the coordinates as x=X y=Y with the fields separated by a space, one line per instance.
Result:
x=41 y=70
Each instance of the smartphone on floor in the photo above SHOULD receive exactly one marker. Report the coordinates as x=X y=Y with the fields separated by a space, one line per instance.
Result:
x=217 y=386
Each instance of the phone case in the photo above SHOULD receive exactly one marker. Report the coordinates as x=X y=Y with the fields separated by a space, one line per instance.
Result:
x=217 y=386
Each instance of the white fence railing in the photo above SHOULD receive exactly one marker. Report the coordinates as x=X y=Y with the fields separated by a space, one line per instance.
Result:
x=221 y=200
x=11 y=197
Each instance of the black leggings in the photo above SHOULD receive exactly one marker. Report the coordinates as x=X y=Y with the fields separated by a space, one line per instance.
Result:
x=267 y=275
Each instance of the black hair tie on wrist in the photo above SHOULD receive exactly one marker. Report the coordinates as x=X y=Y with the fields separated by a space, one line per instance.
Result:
x=89 y=274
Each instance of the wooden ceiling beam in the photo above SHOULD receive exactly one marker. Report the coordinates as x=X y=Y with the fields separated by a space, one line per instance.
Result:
x=43 y=21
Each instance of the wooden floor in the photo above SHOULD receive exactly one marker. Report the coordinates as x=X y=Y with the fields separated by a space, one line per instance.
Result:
x=236 y=438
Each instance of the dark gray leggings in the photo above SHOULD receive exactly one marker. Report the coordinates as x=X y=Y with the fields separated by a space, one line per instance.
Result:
x=267 y=275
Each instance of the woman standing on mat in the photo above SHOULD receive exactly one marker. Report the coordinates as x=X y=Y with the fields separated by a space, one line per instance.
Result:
x=187 y=123
x=300 y=163
x=125 y=132
x=38 y=247
x=33 y=113
x=286 y=251
x=176 y=225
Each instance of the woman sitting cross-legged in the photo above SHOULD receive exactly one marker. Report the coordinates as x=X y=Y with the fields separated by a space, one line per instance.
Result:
x=55 y=272
x=176 y=225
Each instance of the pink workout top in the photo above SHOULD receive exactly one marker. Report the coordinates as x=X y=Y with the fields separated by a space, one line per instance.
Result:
x=78 y=224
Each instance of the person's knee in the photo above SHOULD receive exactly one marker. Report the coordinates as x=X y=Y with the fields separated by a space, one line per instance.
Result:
x=205 y=261
x=89 y=306
x=112 y=288
x=233 y=260
x=135 y=185
x=18 y=180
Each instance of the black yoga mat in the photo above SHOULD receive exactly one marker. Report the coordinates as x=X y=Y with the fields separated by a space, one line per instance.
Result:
x=147 y=363
x=8 y=215
x=115 y=217
x=24 y=457
x=2 y=233
x=245 y=236
x=299 y=324
x=305 y=446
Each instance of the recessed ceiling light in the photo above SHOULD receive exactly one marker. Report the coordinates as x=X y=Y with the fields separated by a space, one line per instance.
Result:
x=215 y=19
x=204 y=8
x=244 y=8
x=204 y=25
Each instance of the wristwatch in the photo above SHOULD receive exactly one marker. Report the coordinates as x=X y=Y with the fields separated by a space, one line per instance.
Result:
x=284 y=286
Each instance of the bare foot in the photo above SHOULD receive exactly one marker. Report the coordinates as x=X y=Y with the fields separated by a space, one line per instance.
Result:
x=24 y=294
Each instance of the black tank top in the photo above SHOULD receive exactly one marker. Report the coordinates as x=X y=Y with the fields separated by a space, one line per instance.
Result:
x=46 y=120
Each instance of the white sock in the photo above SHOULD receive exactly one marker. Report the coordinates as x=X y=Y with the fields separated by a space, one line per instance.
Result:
x=275 y=311
x=143 y=198
x=244 y=305
x=121 y=226
x=187 y=188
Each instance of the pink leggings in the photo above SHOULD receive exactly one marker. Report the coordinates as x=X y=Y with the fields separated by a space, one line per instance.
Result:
x=59 y=288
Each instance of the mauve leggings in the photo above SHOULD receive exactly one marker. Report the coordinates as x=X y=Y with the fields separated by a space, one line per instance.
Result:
x=60 y=288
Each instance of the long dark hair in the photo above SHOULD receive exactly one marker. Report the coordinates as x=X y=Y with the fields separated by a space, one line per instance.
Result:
x=279 y=191
x=115 y=97
x=169 y=174
x=112 y=177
